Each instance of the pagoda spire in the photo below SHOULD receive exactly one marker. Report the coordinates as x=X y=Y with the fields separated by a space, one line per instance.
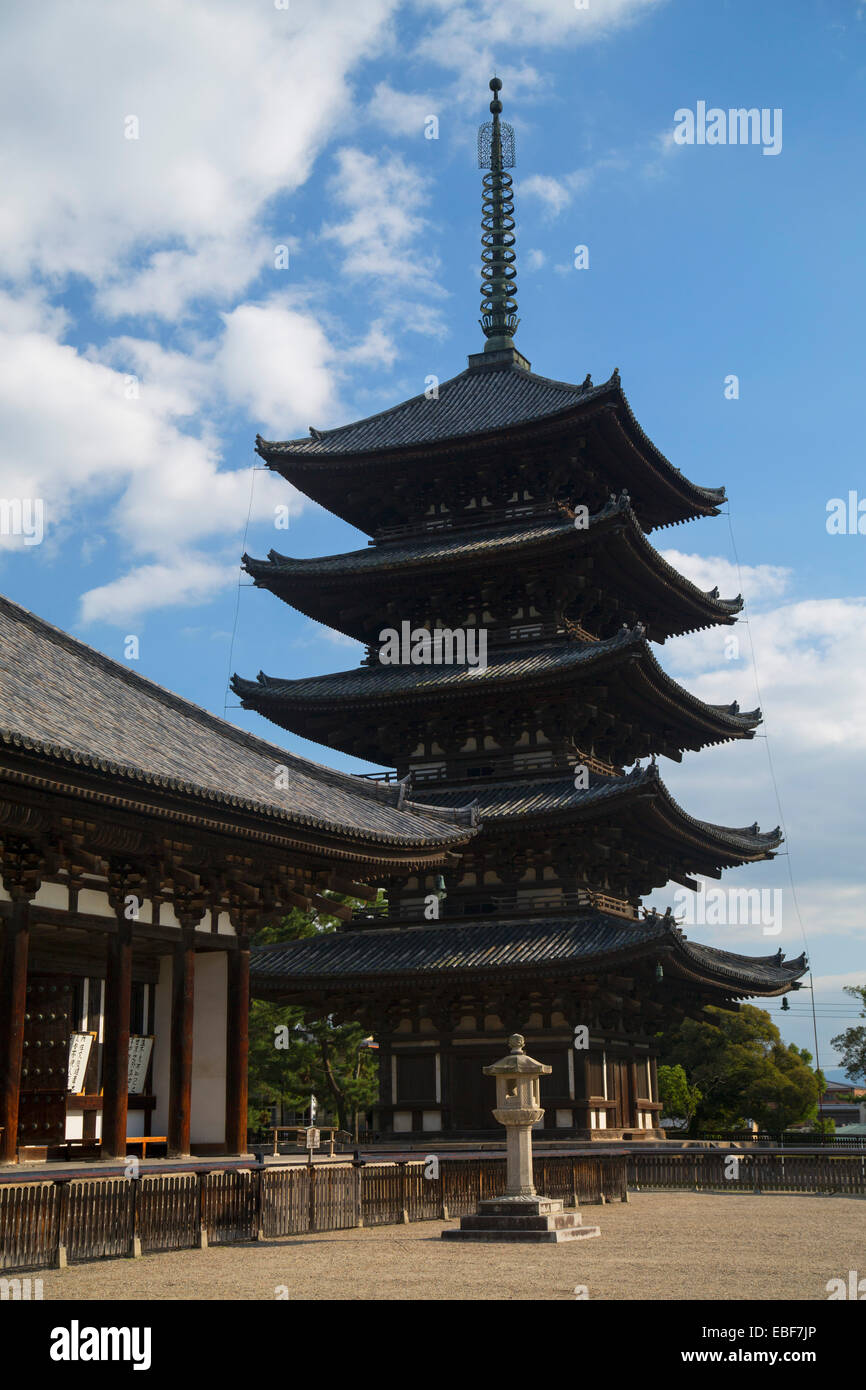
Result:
x=498 y=275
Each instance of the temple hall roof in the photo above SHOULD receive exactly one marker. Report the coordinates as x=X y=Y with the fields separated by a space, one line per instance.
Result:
x=63 y=702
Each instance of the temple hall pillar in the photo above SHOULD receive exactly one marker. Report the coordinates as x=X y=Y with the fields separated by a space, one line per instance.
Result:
x=180 y=1073
x=13 y=998
x=115 y=1053
x=237 y=1046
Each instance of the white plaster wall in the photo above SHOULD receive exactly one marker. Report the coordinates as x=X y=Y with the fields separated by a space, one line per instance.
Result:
x=208 y=1113
x=74 y=1125
x=53 y=895
x=96 y=903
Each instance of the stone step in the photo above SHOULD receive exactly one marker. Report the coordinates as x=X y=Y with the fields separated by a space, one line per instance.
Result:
x=520 y=1206
x=557 y=1221
x=526 y=1237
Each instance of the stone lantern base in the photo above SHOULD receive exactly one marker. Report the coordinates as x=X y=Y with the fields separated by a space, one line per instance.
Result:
x=525 y=1219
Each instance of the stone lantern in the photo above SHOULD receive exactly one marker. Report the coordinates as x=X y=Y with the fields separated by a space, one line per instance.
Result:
x=521 y=1214
x=518 y=1107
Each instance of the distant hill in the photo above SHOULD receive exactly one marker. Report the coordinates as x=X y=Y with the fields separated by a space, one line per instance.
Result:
x=838 y=1074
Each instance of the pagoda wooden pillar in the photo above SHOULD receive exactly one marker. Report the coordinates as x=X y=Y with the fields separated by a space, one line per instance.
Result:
x=237 y=1046
x=180 y=1084
x=13 y=1001
x=115 y=1053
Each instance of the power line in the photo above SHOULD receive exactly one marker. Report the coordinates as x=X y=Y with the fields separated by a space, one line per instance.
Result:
x=253 y=471
x=776 y=790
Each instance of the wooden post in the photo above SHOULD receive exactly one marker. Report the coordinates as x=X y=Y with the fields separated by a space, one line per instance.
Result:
x=311 y=1213
x=135 y=1237
x=115 y=1056
x=62 y=1185
x=202 y=1223
x=259 y=1199
x=404 y=1190
x=358 y=1171
x=13 y=1001
x=237 y=1047
x=180 y=1088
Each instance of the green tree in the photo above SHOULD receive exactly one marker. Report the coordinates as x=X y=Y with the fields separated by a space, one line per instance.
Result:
x=679 y=1099
x=292 y=1057
x=743 y=1070
x=852 y=1043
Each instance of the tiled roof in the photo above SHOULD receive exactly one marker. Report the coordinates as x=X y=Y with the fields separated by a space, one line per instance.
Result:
x=511 y=945
x=479 y=401
x=64 y=701
x=474 y=402
x=546 y=796
x=470 y=542
x=519 y=666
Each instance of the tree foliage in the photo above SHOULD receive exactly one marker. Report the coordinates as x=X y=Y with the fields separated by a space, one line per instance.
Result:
x=743 y=1070
x=852 y=1043
x=291 y=1058
x=679 y=1100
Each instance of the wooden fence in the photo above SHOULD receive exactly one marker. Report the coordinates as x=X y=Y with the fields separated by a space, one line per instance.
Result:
x=55 y=1221
x=746 y=1170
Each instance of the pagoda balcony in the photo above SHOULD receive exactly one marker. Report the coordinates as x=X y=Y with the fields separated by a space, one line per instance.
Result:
x=470 y=768
x=471 y=517
x=460 y=907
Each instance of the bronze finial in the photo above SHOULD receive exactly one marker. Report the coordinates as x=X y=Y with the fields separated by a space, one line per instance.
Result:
x=498 y=275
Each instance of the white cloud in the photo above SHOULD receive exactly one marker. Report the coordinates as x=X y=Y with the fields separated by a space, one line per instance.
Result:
x=233 y=102
x=277 y=363
x=401 y=113
x=535 y=260
x=383 y=198
x=758 y=582
x=554 y=194
x=188 y=580
x=467 y=37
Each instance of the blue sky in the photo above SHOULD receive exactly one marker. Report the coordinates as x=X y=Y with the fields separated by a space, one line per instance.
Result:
x=147 y=336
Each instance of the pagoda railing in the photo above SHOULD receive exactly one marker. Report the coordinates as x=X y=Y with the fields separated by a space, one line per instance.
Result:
x=460 y=908
x=475 y=516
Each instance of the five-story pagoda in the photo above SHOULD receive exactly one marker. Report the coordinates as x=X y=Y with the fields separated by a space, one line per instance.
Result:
x=507 y=601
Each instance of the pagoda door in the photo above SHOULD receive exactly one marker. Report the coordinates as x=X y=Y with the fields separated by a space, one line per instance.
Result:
x=619 y=1091
x=472 y=1095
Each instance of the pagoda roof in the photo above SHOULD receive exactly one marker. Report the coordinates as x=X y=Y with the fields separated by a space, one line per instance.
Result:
x=318 y=586
x=63 y=703
x=545 y=666
x=478 y=412
x=547 y=799
x=419 y=954
x=476 y=401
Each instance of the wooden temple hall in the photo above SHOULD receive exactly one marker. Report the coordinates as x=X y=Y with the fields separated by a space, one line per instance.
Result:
x=520 y=507
x=142 y=842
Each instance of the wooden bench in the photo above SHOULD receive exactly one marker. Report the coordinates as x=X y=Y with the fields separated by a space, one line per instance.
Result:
x=144 y=1140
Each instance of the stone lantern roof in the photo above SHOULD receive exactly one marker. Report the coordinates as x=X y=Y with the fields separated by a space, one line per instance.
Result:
x=517 y=1063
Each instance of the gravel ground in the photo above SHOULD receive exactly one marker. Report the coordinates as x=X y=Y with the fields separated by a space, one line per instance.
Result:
x=661 y=1245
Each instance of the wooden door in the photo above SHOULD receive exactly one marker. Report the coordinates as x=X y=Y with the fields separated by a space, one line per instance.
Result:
x=44 y=1069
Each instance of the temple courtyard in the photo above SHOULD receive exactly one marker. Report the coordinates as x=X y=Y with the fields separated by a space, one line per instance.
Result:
x=661 y=1245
